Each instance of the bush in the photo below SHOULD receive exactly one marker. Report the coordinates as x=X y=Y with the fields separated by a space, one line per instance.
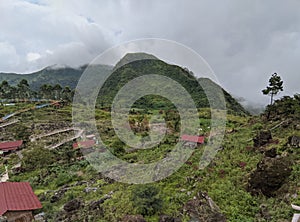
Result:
x=146 y=199
x=38 y=158
x=118 y=147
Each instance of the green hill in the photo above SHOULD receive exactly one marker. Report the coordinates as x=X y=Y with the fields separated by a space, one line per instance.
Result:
x=151 y=65
x=132 y=65
x=65 y=76
x=235 y=185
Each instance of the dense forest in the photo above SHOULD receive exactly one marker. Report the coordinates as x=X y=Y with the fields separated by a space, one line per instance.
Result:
x=22 y=91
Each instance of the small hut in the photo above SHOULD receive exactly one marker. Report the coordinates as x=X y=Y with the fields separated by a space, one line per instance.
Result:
x=17 y=201
x=9 y=147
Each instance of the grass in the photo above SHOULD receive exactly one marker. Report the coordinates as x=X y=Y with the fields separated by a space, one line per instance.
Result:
x=225 y=179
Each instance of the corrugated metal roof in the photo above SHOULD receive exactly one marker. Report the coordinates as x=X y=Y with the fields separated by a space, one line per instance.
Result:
x=84 y=144
x=195 y=139
x=10 y=145
x=17 y=196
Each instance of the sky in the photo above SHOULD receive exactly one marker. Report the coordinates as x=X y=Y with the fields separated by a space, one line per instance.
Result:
x=243 y=41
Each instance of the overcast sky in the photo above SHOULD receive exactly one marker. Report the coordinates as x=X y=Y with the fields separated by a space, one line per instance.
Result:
x=243 y=41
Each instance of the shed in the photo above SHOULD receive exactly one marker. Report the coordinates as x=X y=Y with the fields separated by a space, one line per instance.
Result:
x=84 y=144
x=7 y=147
x=17 y=201
x=194 y=139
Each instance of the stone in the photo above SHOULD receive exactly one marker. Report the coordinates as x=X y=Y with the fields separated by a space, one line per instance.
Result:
x=40 y=217
x=264 y=212
x=203 y=209
x=58 y=195
x=262 y=138
x=272 y=153
x=72 y=205
x=297 y=127
x=133 y=218
x=96 y=204
x=269 y=176
x=90 y=189
x=166 y=218
x=294 y=141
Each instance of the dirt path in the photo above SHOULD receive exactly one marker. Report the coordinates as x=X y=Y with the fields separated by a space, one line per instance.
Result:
x=9 y=123
x=34 y=138
x=78 y=134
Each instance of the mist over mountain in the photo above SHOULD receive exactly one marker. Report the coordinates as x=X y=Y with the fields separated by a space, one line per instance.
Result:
x=57 y=74
x=129 y=67
x=252 y=107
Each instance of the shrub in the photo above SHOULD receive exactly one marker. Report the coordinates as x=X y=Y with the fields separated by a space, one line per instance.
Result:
x=38 y=158
x=146 y=199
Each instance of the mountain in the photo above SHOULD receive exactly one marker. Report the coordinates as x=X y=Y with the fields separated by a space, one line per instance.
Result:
x=131 y=57
x=129 y=67
x=65 y=76
x=136 y=66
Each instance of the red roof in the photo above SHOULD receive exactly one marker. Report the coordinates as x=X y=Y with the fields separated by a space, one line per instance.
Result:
x=11 y=145
x=84 y=144
x=195 y=139
x=17 y=196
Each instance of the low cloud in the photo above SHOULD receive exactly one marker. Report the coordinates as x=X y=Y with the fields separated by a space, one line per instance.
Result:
x=243 y=41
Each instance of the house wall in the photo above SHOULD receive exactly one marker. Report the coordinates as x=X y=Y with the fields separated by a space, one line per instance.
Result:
x=19 y=216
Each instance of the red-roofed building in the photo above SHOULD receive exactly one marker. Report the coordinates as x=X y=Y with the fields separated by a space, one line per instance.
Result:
x=17 y=201
x=84 y=144
x=193 y=139
x=7 y=147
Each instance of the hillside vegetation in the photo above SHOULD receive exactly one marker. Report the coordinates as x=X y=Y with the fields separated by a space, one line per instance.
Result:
x=61 y=178
x=253 y=177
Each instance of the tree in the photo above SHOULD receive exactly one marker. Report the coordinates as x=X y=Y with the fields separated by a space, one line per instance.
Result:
x=275 y=86
x=67 y=94
x=57 y=91
x=46 y=91
x=7 y=91
x=24 y=91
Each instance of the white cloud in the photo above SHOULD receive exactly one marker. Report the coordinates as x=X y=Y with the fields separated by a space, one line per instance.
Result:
x=8 y=55
x=33 y=56
x=243 y=41
x=35 y=27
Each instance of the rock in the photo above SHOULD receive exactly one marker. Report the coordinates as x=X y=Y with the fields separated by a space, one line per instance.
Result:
x=269 y=176
x=264 y=212
x=79 y=183
x=96 y=204
x=90 y=189
x=203 y=209
x=105 y=178
x=166 y=218
x=262 y=138
x=72 y=205
x=294 y=141
x=40 y=217
x=133 y=218
x=3 y=219
x=297 y=127
x=58 y=195
x=42 y=196
x=272 y=153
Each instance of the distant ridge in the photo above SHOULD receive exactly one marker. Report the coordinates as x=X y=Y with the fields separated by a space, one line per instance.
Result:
x=65 y=76
x=129 y=67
